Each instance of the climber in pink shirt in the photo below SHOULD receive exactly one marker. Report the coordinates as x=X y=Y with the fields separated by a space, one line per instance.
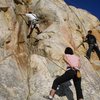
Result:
x=72 y=60
x=72 y=72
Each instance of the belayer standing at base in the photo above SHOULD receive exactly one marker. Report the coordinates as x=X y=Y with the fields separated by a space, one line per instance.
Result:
x=72 y=72
x=91 y=40
x=32 y=23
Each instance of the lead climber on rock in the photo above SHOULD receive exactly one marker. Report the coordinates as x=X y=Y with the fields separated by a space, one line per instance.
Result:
x=32 y=23
x=72 y=72
x=91 y=40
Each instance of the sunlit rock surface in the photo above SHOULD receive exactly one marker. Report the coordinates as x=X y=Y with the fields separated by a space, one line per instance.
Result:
x=29 y=66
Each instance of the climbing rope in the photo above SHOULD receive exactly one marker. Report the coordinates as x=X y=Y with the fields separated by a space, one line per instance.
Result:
x=24 y=19
x=79 y=21
x=77 y=17
x=56 y=64
x=6 y=57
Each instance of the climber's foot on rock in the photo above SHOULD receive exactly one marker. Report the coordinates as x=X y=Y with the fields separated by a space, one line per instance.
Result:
x=47 y=97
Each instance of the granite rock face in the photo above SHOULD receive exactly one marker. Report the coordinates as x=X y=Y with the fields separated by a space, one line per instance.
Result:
x=29 y=66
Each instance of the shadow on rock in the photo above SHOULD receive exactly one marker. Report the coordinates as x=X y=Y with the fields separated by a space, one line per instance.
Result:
x=64 y=90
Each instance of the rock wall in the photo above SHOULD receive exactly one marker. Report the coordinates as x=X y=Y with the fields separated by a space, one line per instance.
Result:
x=29 y=66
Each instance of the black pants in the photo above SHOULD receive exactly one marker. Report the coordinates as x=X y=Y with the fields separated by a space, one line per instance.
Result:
x=68 y=75
x=91 y=48
x=30 y=23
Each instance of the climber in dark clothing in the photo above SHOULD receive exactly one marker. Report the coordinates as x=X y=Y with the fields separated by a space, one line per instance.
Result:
x=72 y=72
x=91 y=40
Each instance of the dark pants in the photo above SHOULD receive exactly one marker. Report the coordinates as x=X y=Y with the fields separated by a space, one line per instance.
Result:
x=68 y=75
x=91 y=48
x=32 y=25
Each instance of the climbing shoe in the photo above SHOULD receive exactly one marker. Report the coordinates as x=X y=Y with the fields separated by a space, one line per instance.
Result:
x=48 y=97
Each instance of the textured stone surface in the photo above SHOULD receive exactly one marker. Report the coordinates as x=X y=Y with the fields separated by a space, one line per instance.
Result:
x=12 y=84
x=28 y=67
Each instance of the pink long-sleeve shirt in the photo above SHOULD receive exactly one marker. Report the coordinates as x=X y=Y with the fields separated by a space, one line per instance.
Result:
x=73 y=60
